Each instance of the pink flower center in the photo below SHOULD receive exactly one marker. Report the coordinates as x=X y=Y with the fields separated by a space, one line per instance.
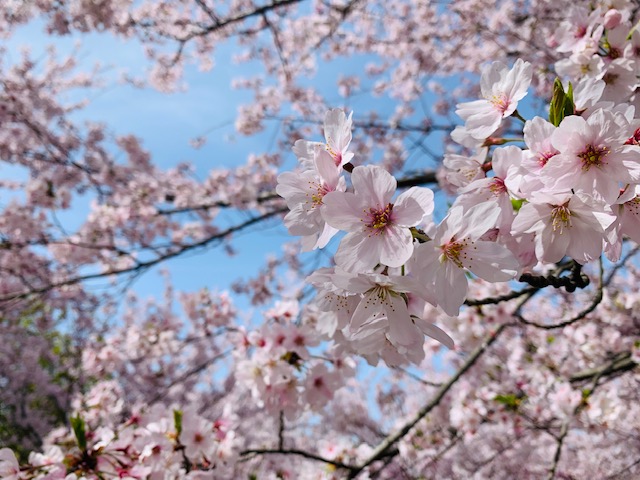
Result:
x=543 y=158
x=452 y=251
x=498 y=187
x=561 y=217
x=320 y=191
x=593 y=157
x=634 y=139
x=337 y=156
x=379 y=218
x=500 y=102
x=614 y=53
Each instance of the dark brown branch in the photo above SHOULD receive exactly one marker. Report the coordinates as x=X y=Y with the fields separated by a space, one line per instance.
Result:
x=281 y=431
x=556 y=457
x=622 y=362
x=382 y=450
x=570 y=283
x=301 y=453
x=214 y=18
x=501 y=298
x=257 y=12
x=141 y=266
x=582 y=314
x=420 y=178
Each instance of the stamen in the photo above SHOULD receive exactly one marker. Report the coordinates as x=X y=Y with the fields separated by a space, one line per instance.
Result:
x=501 y=102
x=593 y=157
x=452 y=251
x=379 y=218
x=337 y=156
x=561 y=217
x=543 y=158
x=498 y=187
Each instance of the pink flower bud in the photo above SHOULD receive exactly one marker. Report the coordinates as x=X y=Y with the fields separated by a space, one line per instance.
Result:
x=612 y=19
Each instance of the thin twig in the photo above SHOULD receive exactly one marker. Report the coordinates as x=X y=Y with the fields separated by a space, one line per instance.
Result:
x=150 y=263
x=281 y=431
x=301 y=453
x=556 y=457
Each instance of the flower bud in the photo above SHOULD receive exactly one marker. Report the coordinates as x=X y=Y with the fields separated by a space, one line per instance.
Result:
x=612 y=19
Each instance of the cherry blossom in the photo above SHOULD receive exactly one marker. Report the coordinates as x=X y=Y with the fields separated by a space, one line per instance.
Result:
x=502 y=89
x=333 y=377
x=592 y=157
x=378 y=229
x=305 y=194
x=456 y=246
x=565 y=224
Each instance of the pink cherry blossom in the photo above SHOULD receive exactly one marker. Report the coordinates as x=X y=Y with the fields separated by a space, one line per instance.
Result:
x=377 y=228
x=304 y=193
x=337 y=133
x=9 y=467
x=565 y=224
x=384 y=305
x=457 y=246
x=593 y=158
x=502 y=89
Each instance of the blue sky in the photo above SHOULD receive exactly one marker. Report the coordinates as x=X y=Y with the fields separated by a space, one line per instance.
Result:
x=167 y=122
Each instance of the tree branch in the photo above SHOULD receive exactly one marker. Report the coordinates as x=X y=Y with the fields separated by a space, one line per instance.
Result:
x=381 y=450
x=622 y=362
x=141 y=266
x=556 y=458
x=592 y=306
x=301 y=453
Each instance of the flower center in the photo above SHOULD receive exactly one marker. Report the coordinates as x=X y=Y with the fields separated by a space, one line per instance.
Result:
x=593 y=157
x=320 y=191
x=561 y=217
x=501 y=102
x=543 y=158
x=452 y=250
x=580 y=31
x=498 y=187
x=380 y=218
x=633 y=206
x=634 y=139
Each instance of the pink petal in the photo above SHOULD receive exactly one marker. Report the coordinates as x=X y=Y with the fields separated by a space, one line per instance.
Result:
x=374 y=184
x=412 y=206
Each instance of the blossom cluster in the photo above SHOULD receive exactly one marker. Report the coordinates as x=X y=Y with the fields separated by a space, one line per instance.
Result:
x=545 y=382
x=568 y=188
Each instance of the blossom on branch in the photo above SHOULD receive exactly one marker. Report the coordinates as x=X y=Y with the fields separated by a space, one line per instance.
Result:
x=378 y=230
x=502 y=89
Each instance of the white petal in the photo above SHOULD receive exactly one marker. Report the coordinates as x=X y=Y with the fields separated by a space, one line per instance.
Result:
x=491 y=261
x=434 y=332
x=412 y=206
x=396 y=246
x=374 y=184
x=342 y=210
x=401 y=327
